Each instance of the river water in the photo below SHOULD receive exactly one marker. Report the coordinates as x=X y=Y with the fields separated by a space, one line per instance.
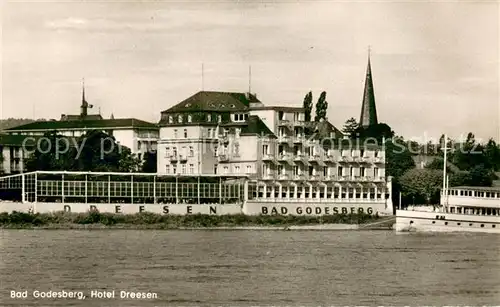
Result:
x=250 y=268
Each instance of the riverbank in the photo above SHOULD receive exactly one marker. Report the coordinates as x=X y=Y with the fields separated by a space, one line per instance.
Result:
x=96 y=220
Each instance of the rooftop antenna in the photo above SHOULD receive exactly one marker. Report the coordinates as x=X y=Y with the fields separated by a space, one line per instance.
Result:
x=249 y=79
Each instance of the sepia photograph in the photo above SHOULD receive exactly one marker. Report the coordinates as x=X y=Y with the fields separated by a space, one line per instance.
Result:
x=249 y=153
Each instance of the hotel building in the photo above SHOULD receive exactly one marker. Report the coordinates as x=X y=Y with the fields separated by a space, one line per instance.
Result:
x=286 y=159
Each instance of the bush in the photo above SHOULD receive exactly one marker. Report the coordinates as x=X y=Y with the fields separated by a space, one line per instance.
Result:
x=177 y=221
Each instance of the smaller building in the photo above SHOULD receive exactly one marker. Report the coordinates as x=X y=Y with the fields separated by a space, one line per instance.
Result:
x=14 y=149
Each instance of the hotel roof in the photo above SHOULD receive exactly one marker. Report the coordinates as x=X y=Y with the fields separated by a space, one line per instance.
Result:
x=84 y=125
x=214 y=101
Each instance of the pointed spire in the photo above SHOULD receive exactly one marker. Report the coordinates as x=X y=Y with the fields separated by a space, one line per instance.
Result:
x=368 y=109
x=84 y=106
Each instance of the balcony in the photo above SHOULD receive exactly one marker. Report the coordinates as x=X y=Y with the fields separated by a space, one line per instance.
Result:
x=267 y=157
x=299 y=177
x=284 y=122
x=182 y=158
x=284 y=156
x=174 y=158
x=330 y=158
x=299 y=123
x=223 y=157
x=224 y=138
x=283 y=177
x=346 y=159
x=284 y=139
x=299 y=139
x=378 y=160
x=268 y=176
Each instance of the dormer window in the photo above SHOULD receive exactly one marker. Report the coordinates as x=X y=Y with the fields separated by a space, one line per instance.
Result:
x=190 y=118
x=180 y=118
x=239 y=117
x=209 y=118
x=170 y=119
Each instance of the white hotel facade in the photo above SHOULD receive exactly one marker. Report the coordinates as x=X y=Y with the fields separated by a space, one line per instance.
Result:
x=289 y=162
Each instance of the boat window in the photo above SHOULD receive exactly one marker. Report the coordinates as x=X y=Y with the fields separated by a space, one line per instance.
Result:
x=470 y=224
x=482 y=225
x=446 y=223
x=487 y=194
x=493 y=226
x=433 y=222
x=458 y=224
x=461 y=193
x=475 y=193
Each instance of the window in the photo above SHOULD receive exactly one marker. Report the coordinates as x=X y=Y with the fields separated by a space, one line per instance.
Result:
x=325 y=171
x=296 y=170
x=340 y=171
x=246 y=116
x=362 y=171
x=209 y=133
x=362 y=153
x=190 y=118
x=226 y=170
x=179 y=118
x=183 y=168
x=170 y=119
x=311 y=170
x=167 y=152
x=281 y=169
x=174 y=151
x=375 y=172
x=185 y=133
x=216 y=148
x=174 y=169
x=167 y=169
x=191 y=168
x=249 y=169
x=209 y=118
x=351 y=171
x=237 y=169
x=175 y=133
x=265 y=149
x=191 y=151
x=376 y=154
x=215 y=169
x=281 y=115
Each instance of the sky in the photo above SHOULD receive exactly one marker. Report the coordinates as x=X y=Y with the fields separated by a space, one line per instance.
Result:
x=435 y=64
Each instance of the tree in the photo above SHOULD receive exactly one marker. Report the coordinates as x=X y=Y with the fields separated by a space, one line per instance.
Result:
x=350 y=126
x=492 y=154
x=53 y=154
x=321 y=107
x=379 y=132
x=150 y=162
x=398 y=158
x=94 y=151
x=308 y=106
x=424 y=183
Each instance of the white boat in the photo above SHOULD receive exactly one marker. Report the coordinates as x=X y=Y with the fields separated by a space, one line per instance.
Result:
x=464 y=209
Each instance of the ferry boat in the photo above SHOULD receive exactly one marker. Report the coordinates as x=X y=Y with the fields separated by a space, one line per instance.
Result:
x=463 y=208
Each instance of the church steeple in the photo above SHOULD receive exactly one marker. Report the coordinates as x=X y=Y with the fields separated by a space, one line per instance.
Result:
x=368 y=109
x=85 y=105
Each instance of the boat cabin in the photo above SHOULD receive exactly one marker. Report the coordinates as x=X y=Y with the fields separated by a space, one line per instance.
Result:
x=472 y=200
